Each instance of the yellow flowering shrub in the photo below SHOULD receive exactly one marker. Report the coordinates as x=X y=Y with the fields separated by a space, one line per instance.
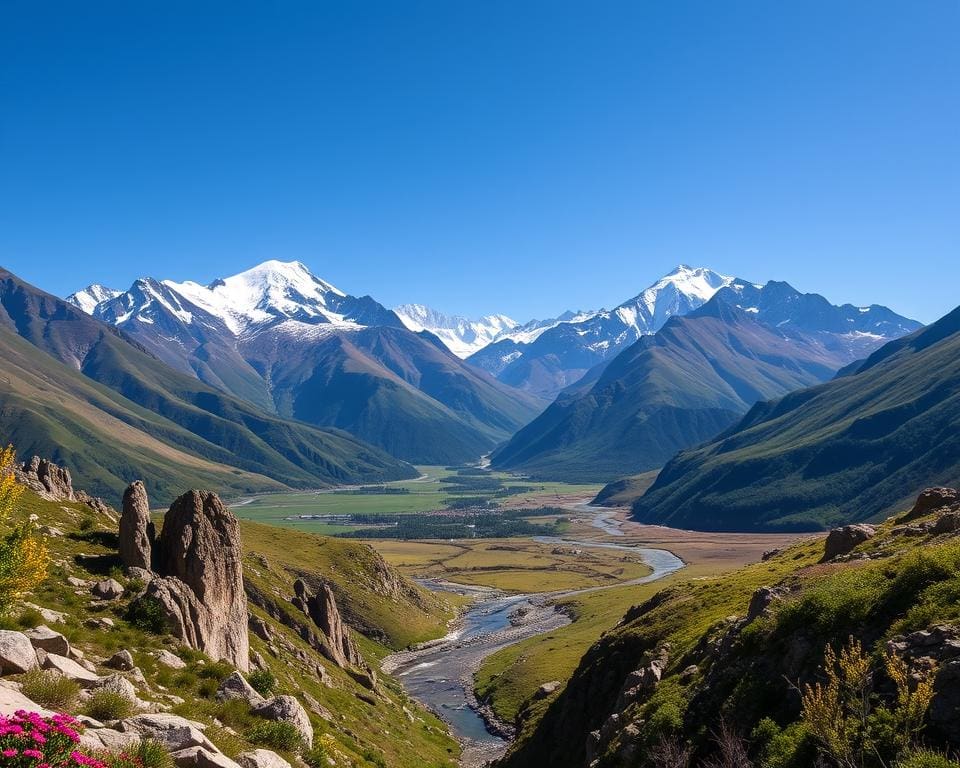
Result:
x=23 y=554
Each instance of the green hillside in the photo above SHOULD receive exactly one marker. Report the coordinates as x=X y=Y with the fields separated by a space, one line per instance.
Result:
x=851 y=449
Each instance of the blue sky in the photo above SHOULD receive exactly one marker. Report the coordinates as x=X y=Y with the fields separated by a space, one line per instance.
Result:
x=522 y=157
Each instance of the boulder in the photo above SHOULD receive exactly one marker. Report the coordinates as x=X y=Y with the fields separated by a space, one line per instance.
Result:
x=261 y=758
x=199 y=757
x=122 y=660
x=108 y=589
x=109 y=739
x=198 y=556
x=136 y=528
x=840 y=541
x=120 y=685
x=338 y=645
x=69 y=668
x=173 y=731
x=931 y=499
x=761 y=601
x=948 y=522
x=237 y=687
x=12 y=701
x=287 y=709
x=170 y=660
x=49 y=616
x=546 y=689
x=16 y=653
x=50 y=641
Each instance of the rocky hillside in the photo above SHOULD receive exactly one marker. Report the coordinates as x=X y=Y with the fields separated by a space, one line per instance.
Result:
x=225 y=643
x=726 y=669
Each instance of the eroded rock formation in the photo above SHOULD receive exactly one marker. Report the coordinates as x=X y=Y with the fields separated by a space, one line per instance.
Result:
x=322 y=608
x=136 y=529
x=49 y=480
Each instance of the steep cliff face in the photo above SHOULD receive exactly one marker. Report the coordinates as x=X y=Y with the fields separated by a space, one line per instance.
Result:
x=712 y=656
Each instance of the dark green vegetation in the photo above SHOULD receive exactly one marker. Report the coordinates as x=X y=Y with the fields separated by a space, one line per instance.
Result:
x=384 y=611
x=851 y=449
x=496 y=524
x=724 y=671
x=695 y=377
x=79 y=392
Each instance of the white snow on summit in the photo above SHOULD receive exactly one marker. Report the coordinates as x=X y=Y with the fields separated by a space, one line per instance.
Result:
x=89 y=297
x=460 y=335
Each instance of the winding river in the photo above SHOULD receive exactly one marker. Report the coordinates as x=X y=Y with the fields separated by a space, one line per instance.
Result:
x=440 y=674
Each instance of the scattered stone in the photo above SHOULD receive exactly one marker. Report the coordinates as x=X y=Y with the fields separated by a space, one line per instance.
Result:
x=546 y=689
x=101 y=622
x=122 y=660
x=120 y=685
x=841 y=540
x=16 y=653
x=761 y=601
x=366 y=698
x=770 y=554
x=317 y=708
x=73 y=581
x=49 y=530
x=198 y=757
x=260 y=628
x=108 y=589
x=199 y=558
x=287 y=709
x=52 y=642
x=109 y=739
x=642 y=680
x=170 y=660
x=689 y=673
x=261 y=758
x=136 y=528
x=49 y=616
x=237 y=687
x=948 y=522
x=69 y=668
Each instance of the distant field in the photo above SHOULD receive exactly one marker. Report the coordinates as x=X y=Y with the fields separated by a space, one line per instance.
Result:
x=515 y=565
x=425 y=494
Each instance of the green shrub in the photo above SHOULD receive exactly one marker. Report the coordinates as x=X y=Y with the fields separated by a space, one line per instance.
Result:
x=29 y=618
x=109 y=705
x=791 y=747
x=146 y=613
x=263 y=681
x=276 y=735
x=235 y=713
x=50 y=689
x=152 y=754
x=87 y=522
x=207 y=688
x=316 y=756
x=217 y=670
x=924 y=758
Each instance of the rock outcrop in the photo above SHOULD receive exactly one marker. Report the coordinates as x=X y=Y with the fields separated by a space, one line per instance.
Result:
x=932 y=499
x=136 y=529
x=16 y=653
x=49 y=480
x=288 y=710
x=841 y=540
x=199 y=581
x=322 y=608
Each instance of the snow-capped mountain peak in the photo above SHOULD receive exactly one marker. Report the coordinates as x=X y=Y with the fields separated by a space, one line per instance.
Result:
x=89 y=297
x=460 y=335
x=679 y=292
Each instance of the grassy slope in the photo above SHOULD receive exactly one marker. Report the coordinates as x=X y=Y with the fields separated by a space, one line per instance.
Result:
x=623 y=492
x=357 y=735
x=854 y=448
x=666 y=392
x=912 y=587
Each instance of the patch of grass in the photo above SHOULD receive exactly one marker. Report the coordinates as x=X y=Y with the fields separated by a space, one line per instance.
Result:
x=275 y=735
x=152 y=754
x=50 y=689
x=108 y=705
x=146 y=613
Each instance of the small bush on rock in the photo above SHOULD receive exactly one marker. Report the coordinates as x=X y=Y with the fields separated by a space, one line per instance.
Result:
x=50 y=689
x=275 y=735
x=146 y=613
x=109 y=705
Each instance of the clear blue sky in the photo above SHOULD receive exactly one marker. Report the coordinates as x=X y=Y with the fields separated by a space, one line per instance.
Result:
x=495 y=155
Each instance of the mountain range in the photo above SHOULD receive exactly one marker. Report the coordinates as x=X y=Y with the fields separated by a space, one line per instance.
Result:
x=694 y=378
x=83 y=393
x=853 y=448
x=293 y=344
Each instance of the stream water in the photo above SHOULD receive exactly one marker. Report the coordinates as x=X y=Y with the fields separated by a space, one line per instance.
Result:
x=440 y=675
